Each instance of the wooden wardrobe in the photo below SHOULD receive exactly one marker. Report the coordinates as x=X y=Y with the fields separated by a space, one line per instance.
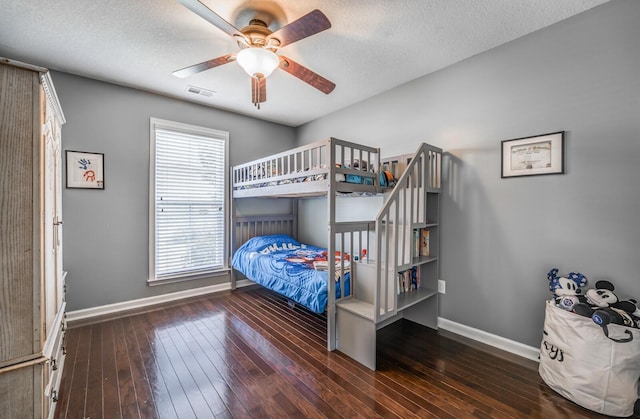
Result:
x=32 y=290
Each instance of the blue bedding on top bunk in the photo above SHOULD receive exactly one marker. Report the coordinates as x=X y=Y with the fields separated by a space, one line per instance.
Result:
x=284 y=265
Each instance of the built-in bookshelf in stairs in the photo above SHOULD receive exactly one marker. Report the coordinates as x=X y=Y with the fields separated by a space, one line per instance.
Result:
x=402 y=280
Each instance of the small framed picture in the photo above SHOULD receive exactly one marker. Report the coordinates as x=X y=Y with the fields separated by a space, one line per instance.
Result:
x=85 y=170
x=530 y=156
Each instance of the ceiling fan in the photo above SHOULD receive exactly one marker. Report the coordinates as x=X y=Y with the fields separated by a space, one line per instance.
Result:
x=258 y=49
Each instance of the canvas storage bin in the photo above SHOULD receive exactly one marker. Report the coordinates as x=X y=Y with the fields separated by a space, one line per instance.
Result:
x=578 y=361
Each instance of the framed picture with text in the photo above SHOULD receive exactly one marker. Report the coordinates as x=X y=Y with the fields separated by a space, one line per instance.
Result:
x=85 y=170
x=530 y=156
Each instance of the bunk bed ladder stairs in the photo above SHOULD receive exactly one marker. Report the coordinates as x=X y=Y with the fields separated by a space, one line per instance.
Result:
x=377 y=300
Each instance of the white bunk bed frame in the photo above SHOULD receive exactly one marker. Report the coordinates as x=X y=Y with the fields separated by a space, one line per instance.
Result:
x=318 y=169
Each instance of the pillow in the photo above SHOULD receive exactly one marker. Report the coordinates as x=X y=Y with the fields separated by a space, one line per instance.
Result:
x=259 y=243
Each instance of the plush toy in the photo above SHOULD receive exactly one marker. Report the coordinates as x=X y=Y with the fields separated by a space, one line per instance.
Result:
x=604 y=307
x=357 y=164
x=636 y=311
x=582 y=309
x=609 y=309
x=602 y=295
x=620 y=313
x=386 y=178
x=566 y=289
x=633 y=310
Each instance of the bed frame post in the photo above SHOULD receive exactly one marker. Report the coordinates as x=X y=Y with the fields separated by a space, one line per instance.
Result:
x=331 y=249
x=294 y=213
x=231 y=228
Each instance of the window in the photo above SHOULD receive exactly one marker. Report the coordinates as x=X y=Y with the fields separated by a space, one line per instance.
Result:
x=188 y=201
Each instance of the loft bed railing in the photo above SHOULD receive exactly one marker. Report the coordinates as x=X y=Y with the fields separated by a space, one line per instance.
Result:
x=309 y=170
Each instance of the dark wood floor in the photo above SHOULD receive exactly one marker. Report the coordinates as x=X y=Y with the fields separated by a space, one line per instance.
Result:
x=249 y=354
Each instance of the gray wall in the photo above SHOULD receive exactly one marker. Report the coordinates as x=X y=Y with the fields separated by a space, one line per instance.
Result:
x=501 y=236
x=312 y=210
x=106 y=233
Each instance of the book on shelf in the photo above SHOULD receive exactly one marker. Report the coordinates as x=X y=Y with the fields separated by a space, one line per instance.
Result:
x=400 y=282
x=408 y=280
x=414 y=278
x=424 y=242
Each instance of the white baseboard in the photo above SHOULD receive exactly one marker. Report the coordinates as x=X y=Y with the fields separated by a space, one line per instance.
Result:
x=496 y=341
x=88 y=313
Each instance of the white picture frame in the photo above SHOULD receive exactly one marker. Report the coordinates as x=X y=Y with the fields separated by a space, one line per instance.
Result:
x=85 y=170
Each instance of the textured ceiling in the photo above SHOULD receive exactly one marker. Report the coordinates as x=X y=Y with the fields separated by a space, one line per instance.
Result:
x=372 y=46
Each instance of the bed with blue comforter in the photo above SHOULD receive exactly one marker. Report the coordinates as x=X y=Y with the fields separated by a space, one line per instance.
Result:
x=286 y=266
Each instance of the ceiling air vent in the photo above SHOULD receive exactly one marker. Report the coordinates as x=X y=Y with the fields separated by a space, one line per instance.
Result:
x=200 y=91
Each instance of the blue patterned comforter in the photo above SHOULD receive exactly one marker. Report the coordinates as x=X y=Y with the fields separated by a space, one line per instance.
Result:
x=286 y=266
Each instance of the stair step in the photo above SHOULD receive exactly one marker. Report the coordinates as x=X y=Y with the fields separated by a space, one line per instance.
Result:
x=357 y=307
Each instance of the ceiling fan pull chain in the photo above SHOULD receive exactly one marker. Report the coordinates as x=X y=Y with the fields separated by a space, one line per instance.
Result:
x=256 y=92
x=253 y=91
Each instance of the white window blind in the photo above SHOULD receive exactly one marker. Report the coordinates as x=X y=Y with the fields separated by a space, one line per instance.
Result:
x=188 y=200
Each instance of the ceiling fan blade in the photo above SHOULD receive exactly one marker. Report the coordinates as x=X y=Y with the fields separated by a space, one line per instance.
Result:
x=212 y=17
x=306 y=75
x=309 y=24
x=258 y=90
x=197 y=68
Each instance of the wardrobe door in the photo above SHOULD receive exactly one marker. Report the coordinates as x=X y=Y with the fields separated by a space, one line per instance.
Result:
x=51 y=218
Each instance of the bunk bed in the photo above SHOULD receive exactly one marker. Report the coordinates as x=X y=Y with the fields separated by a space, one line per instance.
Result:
x=333 y=168
x=265 y=248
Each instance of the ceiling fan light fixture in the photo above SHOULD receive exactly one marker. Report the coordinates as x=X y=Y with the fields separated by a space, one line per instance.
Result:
x=257 y=61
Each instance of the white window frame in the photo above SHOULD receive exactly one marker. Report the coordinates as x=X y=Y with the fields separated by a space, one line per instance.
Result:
x=156 y=123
